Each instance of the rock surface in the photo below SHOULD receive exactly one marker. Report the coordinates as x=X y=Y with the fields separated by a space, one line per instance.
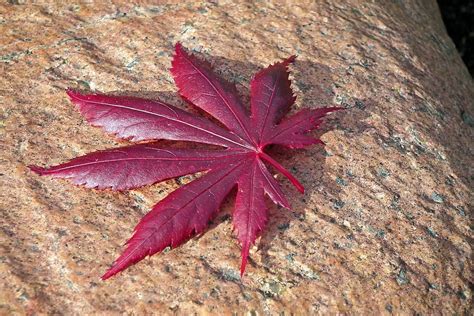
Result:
x=385 y=226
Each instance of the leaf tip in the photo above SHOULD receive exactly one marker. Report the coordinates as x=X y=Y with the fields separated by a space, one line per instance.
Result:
x=113 y=270
x=74 y=96
x=107 y=275
x=178 y=48
x=290 y=59
x=336 y=108
x=179 y=53
x=38 y=170
x=242 y=268
x=71 y=93
x=298 y=186
x=245 y=254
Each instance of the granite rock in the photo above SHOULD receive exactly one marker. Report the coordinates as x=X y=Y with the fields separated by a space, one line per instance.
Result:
x=386 y=223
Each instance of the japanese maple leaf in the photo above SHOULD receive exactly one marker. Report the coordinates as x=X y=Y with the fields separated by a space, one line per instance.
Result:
x=240 y=161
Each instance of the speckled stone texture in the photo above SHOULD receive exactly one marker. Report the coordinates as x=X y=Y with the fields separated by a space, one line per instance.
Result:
x=386 y=223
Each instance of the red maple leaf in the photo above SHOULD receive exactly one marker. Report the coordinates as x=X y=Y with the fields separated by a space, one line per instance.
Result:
x=240 y=161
